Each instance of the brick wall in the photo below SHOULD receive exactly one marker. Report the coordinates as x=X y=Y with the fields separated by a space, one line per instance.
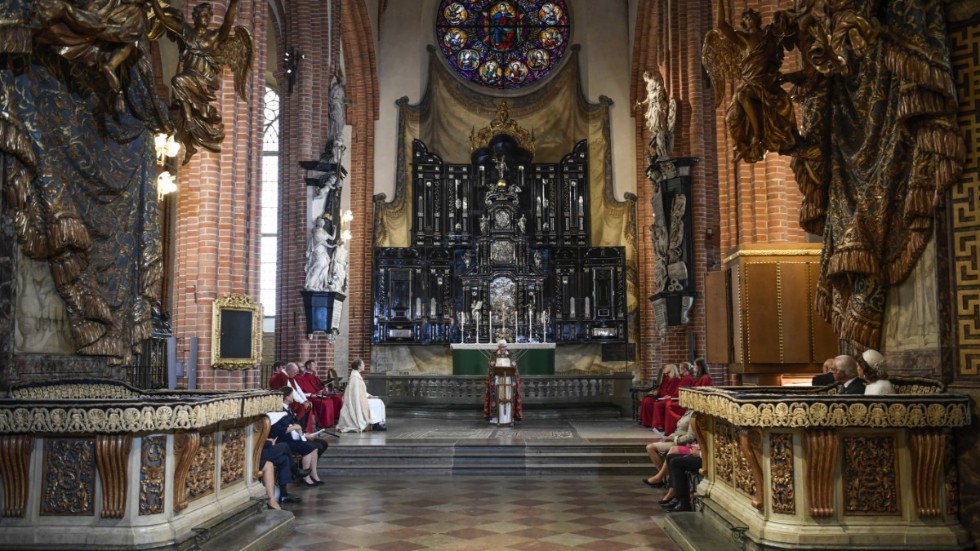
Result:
x=216 y=243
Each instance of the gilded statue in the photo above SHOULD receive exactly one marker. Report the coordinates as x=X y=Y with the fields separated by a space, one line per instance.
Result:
x=102 y=35
x=760 y=117
x=203 y=53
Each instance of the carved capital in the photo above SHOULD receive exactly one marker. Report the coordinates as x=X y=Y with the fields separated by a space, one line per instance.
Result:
x=820 y=449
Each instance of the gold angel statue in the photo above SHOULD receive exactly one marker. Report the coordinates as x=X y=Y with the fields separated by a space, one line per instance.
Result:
x=760 y=117
x=203 y=53
x=103 y=35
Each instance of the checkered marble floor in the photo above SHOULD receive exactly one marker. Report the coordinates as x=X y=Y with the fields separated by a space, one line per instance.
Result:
x=478 y=513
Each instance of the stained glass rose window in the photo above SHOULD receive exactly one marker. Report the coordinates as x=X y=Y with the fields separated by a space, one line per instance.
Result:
x=503 y=43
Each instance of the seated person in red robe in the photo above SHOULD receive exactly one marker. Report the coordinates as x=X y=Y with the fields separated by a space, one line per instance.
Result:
x=668 y=379
x=322 y=410
x=311 y=384
x=701 y=377
x=660 y=407
x=278 y=378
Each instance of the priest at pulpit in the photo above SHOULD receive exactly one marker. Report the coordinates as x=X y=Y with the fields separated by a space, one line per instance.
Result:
x=502 y=402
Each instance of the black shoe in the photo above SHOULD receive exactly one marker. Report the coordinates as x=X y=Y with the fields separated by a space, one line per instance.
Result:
x=309 y=484
x=667 y=504
x=319 y=482
x=289 y=499
x=679 y=508
x=378 y=427
x=660 y=484
x=301 y=473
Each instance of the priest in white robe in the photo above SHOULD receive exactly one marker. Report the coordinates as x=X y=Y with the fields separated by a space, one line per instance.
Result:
x=361 y=410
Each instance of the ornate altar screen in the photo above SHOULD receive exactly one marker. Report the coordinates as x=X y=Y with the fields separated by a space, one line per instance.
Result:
x=500 y=251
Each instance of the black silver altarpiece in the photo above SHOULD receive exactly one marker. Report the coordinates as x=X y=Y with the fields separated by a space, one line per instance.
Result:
x=500 y=250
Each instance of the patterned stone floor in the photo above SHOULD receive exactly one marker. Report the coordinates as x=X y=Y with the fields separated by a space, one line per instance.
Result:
x=477 y=513
x=460 y=513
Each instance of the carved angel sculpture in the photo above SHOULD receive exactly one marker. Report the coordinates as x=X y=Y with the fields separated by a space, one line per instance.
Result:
x=203 y=53
x=760 y=117
x=102 y=35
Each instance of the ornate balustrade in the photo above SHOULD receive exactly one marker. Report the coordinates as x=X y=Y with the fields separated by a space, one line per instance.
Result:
x=537 y=389
x=138 y=468
x=794 y=465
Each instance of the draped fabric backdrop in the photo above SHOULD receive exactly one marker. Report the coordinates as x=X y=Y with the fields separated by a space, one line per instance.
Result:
x=891 y=148
x=79 y=181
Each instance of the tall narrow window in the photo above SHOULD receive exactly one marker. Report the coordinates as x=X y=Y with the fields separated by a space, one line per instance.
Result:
x=270 y=209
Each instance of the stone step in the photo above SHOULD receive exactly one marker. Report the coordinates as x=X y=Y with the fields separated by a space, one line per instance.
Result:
x=488 y=459
x=251 y=527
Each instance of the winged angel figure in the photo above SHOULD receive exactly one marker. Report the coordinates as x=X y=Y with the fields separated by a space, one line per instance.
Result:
x=760 y=117
x=203 y=53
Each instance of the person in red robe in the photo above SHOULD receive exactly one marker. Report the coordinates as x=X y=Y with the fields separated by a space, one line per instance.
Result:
x=303 y=404
x=311 y=384
x=701 y=377
x=660 y=407
x=278 y=378
x=668 y=378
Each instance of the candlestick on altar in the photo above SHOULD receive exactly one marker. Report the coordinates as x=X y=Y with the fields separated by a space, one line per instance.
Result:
x=515 y=324
x=462 y=327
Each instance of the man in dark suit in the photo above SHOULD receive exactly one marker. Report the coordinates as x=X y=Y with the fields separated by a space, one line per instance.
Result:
x=846 y=373
x=827 y=377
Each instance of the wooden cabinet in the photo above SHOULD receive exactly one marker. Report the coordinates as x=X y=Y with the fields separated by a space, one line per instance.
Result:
x=761 y=319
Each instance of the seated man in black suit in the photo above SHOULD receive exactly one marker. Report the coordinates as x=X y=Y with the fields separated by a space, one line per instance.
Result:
x=846 y=373
x=679 y=468
x=282 y=460
x=827 y=377
x=286 y=428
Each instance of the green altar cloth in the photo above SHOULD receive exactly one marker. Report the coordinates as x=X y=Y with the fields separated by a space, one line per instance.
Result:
x=531 y=358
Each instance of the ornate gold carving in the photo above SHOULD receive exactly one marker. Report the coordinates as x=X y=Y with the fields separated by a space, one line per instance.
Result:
x=870 y=482
x=706 y=452
x=725 y=453
x=820 y=450
x=153 y=474
x=236 y=303
x=781 y=470
x=927 y=449
x=185 y=449
x=76 y=391
x=203 y=54
x=748 y=472
x=232 y=456
x=260 y=431
x=785 y=407
x=15 y=460
x=502 y=124
x=200 y=477
x=68 y=480
x=112 y=459
x=185 y=411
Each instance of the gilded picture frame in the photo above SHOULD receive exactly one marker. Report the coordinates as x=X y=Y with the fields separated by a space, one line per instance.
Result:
x=236 y=333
